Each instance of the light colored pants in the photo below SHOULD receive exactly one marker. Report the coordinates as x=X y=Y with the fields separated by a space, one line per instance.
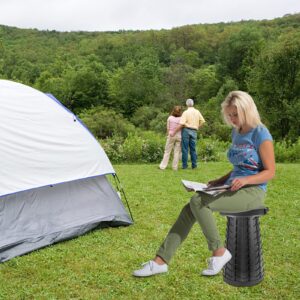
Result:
x=199 y=210
x=172 y=142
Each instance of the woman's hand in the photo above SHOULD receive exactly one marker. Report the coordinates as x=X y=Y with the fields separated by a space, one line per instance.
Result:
x=238 y=183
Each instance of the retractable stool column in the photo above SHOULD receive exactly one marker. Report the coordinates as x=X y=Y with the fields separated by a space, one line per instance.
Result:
x=246 y=268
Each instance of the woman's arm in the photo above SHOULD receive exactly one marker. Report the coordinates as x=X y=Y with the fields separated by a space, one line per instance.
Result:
x=168 y=126
x=266 y=151
x=178 y=128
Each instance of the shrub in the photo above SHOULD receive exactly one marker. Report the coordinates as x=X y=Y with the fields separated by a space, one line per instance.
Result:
x=210 y=149
x=133 y=148
x=143 y=116
x=159 y=124
x=146 y=147
x=104 y=122
x=286 y=151
x=113 y=147
x=153 y=146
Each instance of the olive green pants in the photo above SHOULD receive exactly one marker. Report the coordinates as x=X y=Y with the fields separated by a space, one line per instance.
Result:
x=200 y=209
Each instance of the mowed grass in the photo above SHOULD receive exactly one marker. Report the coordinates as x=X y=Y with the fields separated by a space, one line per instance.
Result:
x=98 y=265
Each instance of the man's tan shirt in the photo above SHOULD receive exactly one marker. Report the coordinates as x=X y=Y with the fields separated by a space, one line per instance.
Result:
x=192 y=118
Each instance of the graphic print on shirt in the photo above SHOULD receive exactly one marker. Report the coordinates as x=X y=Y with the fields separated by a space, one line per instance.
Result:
x=244 y=156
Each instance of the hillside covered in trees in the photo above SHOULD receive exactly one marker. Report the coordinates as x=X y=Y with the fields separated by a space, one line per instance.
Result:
x=131 y=79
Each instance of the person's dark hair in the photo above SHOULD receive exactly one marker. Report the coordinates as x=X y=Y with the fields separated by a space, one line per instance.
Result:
x=177 y=111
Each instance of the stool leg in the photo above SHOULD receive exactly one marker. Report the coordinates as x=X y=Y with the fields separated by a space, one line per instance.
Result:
x=243 y=241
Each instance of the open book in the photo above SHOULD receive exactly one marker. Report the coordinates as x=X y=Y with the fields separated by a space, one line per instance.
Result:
x=202 y=187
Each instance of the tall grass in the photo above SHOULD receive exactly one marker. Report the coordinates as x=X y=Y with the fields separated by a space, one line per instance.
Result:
x=98 y=265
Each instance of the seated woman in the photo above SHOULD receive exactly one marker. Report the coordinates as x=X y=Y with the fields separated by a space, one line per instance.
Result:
x=252 y=157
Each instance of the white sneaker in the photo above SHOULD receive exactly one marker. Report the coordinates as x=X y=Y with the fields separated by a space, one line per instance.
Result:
x=150 y=268
x=216 y=263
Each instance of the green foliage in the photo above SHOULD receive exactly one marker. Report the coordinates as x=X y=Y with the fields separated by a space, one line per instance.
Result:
x=159 y=124
x=133 y=148
x=113 y=147
x=143 y=147
x=153 y=147
x=238 y=53
x=287 y=151
x=48 y=82
x=148 y=147
x=204 y=83
x=275 y=81
x=175 y=79
x=182 y=56
x=103 y=122
x=86 y=85
x=143 y=116
x=212 y=149
x=135 y=85
x=211 y=111
x=128 y=70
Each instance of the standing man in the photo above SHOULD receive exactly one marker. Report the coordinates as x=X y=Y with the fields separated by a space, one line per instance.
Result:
x=191 y=120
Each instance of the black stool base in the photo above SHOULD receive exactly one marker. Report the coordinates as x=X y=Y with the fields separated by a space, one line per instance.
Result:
x=244 y=243
x=239 y=284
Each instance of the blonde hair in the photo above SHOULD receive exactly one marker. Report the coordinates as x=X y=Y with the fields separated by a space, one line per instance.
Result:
x=246 y=109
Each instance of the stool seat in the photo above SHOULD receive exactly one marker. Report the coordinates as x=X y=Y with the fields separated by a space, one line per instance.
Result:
x=249 y=213
x=244 y=243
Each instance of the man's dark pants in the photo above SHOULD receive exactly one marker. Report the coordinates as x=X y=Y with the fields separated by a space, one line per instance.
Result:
x=189 y=140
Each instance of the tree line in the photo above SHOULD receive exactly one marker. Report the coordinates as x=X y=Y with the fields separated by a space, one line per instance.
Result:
x=134 y=78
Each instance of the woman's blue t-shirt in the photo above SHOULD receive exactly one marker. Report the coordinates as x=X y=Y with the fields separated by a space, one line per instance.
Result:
x=244 y=153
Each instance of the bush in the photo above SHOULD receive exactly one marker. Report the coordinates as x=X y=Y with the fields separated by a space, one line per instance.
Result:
x=287 y=151
x=159 y=124
x=216 y=130
x=146 y=147
x=143 y=116
x=104 y=122
x=210 y=149
x=133 y=148
x=153 y=147
x=113 y=147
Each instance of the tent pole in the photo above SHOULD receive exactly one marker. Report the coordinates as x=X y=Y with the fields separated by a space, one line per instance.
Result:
x=120 y=188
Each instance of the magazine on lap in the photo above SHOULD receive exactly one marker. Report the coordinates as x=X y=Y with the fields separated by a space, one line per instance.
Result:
x=202 y=187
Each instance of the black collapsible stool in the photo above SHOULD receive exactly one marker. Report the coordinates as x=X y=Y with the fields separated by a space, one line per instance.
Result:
x=244 y=243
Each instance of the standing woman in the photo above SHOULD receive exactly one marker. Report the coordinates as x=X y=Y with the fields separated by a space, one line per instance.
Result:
x=252 y=157
x=173 y=141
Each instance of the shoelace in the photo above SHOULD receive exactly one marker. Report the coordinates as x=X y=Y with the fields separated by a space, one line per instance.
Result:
x=150 y=263
x=211 y=263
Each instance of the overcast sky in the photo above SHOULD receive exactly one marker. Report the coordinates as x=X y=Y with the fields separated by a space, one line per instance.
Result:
x=114 y=15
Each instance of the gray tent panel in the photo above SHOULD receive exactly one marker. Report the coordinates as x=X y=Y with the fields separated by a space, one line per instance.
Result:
x=36 y=218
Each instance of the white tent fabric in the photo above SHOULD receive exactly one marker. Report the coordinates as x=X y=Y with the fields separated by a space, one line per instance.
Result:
x=47 y=144
x=52 y=177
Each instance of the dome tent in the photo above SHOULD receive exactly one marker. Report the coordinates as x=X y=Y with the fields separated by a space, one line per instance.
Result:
x=53 y=174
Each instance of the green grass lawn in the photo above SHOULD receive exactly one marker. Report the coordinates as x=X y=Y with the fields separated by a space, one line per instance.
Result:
x=98 y=265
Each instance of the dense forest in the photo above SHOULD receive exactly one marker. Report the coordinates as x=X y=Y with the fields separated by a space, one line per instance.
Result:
x=123 y=81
